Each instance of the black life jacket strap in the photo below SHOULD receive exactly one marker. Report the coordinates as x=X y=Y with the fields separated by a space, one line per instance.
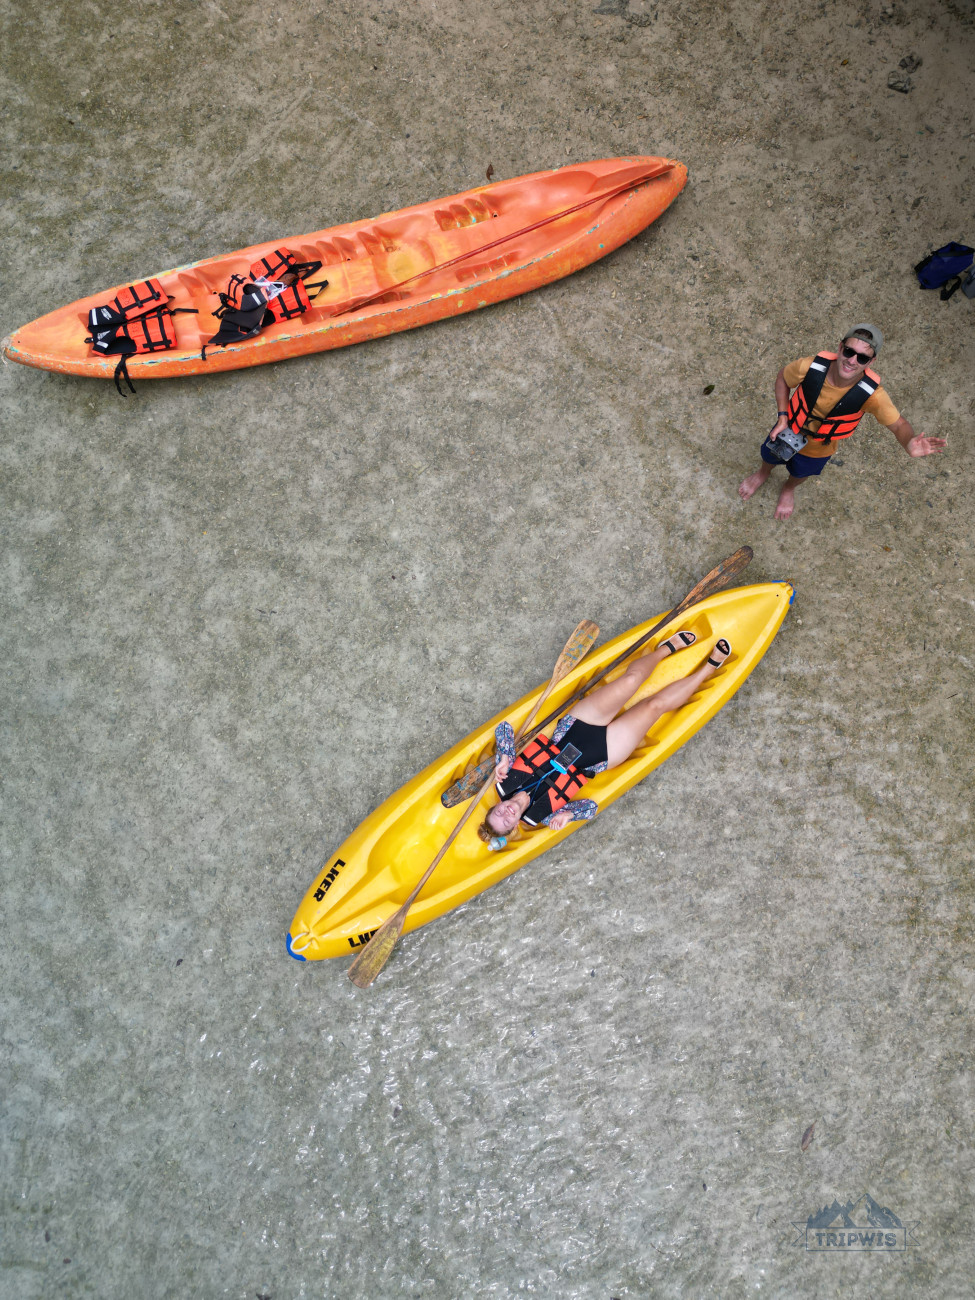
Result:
x=109 y=343
x=231 y=331
x=304 y=269
x=322 y=284
x=243 y=320
x=852 y=401
x=122 y=372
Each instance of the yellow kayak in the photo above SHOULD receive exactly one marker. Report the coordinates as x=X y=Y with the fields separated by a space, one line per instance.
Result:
x=368 y=878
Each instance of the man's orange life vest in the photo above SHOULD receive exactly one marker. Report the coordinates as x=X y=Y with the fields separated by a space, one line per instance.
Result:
x=549 y=782
x=844 y=417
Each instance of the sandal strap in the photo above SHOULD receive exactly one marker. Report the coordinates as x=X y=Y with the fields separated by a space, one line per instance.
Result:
x=687 y=638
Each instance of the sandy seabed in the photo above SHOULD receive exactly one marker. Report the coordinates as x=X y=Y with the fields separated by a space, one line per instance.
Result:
x=239 y=611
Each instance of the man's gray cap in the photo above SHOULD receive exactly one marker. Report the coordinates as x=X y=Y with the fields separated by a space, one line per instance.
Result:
x=869 y=333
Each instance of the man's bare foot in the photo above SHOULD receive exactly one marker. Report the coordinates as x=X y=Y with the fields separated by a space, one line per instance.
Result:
x=754 y=481
x=787 y=503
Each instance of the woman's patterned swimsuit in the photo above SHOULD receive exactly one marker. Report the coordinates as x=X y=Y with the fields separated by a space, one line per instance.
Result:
x=579 y=810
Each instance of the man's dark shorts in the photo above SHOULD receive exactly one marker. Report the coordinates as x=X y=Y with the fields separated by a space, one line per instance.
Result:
x=799 y=466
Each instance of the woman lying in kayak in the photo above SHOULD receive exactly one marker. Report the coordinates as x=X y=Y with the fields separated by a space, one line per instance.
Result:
x=536 y=788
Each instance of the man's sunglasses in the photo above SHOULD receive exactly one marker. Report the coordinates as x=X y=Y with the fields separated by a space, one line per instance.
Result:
x=863 y=358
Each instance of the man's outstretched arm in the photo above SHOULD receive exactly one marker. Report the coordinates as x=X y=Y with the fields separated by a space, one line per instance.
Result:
x=915 y=444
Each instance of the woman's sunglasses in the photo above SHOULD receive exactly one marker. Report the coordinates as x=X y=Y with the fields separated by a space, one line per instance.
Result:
x=863 y=358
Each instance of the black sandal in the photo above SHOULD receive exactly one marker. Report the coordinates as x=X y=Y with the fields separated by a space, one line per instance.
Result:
x=685 y=638
x=722 y=649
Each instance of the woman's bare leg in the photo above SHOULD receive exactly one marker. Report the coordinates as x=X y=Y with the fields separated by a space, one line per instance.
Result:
x=602 y=706
x=626 y=732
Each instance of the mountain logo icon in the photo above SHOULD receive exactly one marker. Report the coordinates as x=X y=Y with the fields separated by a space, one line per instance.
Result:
x=854 y=1225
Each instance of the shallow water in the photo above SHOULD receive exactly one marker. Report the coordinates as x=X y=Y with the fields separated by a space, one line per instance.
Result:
x=239 y=612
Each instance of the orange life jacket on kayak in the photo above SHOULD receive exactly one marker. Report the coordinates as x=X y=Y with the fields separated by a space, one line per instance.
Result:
x=279 y=264
x=241 y=294
x=132 y=301
x=844 y=417
x=135 y=299
x=273 y=290
x=550 y=783
x=292 y=301
x=137 y=320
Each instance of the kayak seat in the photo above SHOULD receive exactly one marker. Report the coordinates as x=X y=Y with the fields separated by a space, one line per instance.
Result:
x=347 y=251
x=459 y=215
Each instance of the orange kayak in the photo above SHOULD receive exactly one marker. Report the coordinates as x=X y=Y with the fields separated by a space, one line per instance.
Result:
x=399 y=270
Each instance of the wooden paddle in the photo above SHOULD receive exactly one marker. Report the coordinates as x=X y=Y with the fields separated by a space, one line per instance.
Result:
x=576 y=649
x=467 y=785
x=376 y=953
x=359 y=303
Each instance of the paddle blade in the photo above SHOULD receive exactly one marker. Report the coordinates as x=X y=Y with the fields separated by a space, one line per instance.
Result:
x=377 y=952
x=722 y=575
x=467 y=786
x=576 y=648
x=712 y=582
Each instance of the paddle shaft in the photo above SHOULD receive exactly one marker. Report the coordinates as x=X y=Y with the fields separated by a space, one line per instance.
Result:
x=517 y=234
x=377 y=951
x=712 y=582
x=437 y=860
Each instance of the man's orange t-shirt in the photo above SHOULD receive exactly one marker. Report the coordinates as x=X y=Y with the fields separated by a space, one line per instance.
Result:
x=878 y=405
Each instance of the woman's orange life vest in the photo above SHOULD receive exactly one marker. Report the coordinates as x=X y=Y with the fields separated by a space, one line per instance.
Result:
x=844 y=417
x=550 y=787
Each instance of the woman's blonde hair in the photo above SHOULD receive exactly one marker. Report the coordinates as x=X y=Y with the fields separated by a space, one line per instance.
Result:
x=485 y=833
x=488 y=834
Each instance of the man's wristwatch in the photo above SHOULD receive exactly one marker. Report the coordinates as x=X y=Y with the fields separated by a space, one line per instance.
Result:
x=785 y=413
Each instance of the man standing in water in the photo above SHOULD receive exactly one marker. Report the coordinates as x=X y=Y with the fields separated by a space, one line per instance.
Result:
x=830 y=393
